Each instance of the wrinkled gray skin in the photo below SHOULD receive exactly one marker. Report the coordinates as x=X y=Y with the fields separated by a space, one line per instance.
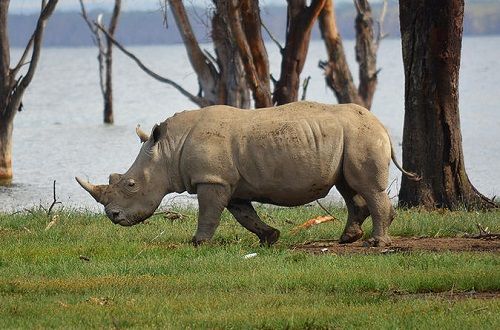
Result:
x=288 y=155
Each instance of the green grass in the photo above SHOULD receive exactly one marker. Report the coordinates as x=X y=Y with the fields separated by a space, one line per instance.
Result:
x=150 y=276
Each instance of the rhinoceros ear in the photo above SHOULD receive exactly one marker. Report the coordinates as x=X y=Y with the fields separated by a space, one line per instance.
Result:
x=156 y=133
x=114 y=178
x=141 y=134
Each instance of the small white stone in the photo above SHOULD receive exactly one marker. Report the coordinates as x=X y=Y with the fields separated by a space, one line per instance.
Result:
x=250 y=255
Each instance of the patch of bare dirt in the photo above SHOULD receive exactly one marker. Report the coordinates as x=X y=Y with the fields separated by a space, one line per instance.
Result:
x=489 y=243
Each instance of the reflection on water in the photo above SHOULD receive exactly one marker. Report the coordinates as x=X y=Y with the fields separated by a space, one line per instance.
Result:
x=59 y=134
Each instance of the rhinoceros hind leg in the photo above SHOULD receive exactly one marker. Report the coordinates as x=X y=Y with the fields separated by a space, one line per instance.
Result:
x=245 y=214
x=212 y=199
x=357 y=213
x=382 y=213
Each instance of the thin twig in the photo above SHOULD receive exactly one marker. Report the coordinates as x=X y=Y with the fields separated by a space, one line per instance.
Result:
x=389 y=189
x=171 y=215
x=328 y=212
x=54 y=201
x=23 y=56
x=140 y=252
x=305 y=84
x=380 y=24
x=272 y=37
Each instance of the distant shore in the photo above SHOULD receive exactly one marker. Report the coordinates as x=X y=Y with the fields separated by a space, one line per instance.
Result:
x=67 y=29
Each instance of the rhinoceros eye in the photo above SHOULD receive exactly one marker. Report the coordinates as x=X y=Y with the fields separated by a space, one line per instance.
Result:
x=130 y=182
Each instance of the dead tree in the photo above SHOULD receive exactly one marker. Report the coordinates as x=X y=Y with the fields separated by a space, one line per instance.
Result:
x=13 y=84
x=105 y=56
x=337 y=73
x=300 y=20
x=431 y=34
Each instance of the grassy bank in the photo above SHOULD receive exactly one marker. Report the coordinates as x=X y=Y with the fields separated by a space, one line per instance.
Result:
x=86 y=272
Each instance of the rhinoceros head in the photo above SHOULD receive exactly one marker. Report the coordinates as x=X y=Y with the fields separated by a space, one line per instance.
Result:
x=132 y=197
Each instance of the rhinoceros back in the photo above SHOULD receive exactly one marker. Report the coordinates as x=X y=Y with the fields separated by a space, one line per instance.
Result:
x=287 y=155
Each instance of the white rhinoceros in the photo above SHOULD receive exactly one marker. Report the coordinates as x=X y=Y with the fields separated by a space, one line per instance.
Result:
x=287 y=155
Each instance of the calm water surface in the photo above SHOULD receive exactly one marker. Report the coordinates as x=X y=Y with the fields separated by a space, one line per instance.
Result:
x=60 y=133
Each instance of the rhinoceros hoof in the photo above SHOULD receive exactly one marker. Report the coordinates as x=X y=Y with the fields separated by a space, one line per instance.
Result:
x=350 y=237
x=270 y=238
x=377 y=241
x=197 y=242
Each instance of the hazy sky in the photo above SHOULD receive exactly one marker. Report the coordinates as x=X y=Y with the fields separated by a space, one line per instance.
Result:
x=30 y=6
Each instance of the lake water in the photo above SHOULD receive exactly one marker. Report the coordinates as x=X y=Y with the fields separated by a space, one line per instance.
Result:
x=60 y=133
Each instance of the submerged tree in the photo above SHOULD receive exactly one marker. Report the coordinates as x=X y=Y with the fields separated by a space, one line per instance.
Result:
x=337 y=73
x=431 y=34
x=105 y=56
x=13 y=84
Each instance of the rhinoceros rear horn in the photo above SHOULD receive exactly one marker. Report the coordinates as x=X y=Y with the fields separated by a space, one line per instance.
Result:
x=141 y=134
x=95 y=191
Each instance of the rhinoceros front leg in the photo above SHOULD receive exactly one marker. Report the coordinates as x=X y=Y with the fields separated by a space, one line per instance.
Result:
x=245 y=214
x=212 y=199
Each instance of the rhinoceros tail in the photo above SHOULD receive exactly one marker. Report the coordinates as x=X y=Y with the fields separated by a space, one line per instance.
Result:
x=412 y=176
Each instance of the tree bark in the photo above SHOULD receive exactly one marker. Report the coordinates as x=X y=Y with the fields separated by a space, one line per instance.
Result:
x=337 y=73
x=432 y=142
x=12 y=88
x=232 y=85
x=366 y=52
x=300 y=20
x=245 y=30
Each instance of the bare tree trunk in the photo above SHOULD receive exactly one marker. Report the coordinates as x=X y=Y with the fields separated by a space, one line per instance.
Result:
x=432 y=142
x=6 y=127
x=105 y=56
x=301 y=19
x=12 y=87
x=108 y=97
x=337 y=73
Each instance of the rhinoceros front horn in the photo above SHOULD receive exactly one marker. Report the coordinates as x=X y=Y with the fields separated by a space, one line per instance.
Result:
x=141 y=134
x=95 y=191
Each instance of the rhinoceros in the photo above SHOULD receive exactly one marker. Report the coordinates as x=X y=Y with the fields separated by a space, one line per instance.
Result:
x=287 y=155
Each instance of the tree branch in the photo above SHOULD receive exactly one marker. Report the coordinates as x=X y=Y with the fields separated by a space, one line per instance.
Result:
x=305 y=84
x=87 y=20
x=206 y=72
x=380 y=24
x=96 y=38
x=202 y=102
x=273 y=38
x=300 y=20
x=46 y=12
x=21 y=63
x=366 y=52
